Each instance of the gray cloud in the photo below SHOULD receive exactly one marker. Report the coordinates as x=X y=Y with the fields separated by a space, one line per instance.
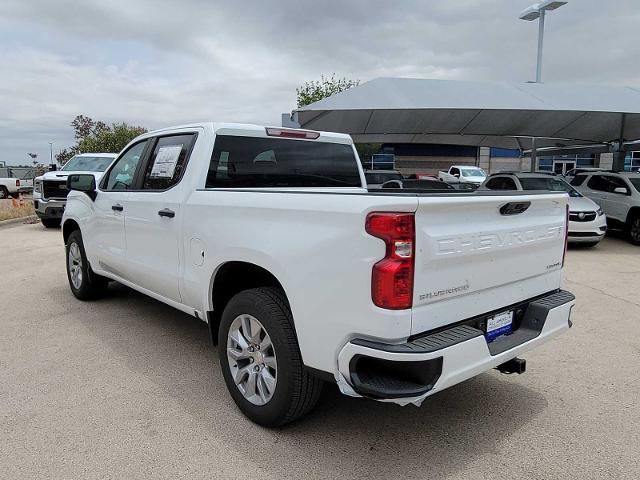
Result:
x=160 y=63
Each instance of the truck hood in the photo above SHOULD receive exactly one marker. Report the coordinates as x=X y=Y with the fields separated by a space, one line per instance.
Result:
x=582 y=204
x=62 y=175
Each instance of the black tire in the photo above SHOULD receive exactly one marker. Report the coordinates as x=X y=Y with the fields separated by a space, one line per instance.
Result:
x=50 y=222
x=90 y=285
x=296 y=390
x=633 y=229
x=4 y=193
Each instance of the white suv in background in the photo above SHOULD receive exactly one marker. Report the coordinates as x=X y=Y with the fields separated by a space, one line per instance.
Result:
x=587 y=222
x=619 y=196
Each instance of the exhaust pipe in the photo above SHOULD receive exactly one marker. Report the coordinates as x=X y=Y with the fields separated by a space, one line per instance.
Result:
x=515 y=365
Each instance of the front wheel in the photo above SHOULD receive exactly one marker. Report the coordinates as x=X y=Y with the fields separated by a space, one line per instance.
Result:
x=50 y=222
x=633 y=230
x=84 y=284
x=4 y=193
x=261 y=361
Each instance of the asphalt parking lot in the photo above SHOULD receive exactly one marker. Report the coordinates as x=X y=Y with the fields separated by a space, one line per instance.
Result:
x=126 y=387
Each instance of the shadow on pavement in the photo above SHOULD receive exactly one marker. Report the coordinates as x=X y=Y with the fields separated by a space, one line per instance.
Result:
x=348 y=437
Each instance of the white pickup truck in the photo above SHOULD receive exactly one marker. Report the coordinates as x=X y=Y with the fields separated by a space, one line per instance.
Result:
x=9 y=187
x=303 y=275
x=50 y=190
x=463 y=174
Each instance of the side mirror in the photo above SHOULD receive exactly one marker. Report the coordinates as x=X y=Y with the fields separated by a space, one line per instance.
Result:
x=621 y=191
x=83 y=182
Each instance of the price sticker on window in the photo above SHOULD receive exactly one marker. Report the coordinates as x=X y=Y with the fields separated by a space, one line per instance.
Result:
x=164 y=165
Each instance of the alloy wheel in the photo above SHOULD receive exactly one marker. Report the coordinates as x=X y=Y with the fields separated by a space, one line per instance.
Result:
x=252 y=359
x=635 y=229
x=75 y=265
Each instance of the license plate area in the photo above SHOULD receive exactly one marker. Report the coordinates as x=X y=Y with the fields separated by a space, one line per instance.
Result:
x=498 y=325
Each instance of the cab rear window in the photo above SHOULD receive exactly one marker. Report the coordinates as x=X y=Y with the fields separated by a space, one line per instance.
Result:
x=252 y=162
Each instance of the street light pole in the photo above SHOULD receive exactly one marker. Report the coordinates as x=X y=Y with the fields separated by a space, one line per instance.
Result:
x=540 y=42
x=537 y=11
x=50 y=153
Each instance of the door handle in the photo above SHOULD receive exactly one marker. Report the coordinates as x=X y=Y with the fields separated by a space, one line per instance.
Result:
x=117 y=207
x=167 y=212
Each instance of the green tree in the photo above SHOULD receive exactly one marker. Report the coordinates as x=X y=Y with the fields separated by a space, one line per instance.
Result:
x=98 y=137
x=316 y=90
x=366 y=150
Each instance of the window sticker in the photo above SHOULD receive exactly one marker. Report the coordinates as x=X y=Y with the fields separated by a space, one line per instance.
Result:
x=164 y=165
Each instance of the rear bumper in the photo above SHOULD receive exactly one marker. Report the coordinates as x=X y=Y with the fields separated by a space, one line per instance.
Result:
x=409 y=372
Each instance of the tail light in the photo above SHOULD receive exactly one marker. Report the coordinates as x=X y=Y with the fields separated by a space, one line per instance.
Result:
x=17 y=183
x=392 y=277
x=566 y=234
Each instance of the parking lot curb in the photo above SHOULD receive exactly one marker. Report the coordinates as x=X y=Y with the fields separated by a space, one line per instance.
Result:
x=13 y=221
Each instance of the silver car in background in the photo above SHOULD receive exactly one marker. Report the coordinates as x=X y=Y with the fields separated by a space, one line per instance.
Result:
x=587 y=221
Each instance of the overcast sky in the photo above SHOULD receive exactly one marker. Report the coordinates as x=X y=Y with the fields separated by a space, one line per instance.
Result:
x=158 y=63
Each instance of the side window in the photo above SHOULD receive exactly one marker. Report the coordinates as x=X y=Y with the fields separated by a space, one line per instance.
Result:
x=615 y=182
x=509 y=184
x=578 y=180
x=501 y=183
x=494 y=184
x=598 y=182
x=167 y=162
x=123 y=172
x=454 y=171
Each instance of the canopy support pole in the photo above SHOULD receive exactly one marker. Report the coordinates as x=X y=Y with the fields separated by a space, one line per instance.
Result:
x=619 y=153
x=533 y=154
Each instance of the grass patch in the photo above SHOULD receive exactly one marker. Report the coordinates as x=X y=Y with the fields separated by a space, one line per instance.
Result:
x=8 y=211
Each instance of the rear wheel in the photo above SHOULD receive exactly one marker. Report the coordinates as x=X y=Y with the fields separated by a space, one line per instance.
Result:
x=50 y=222
x=84 y=283
x=633 y=229
x=261 y=361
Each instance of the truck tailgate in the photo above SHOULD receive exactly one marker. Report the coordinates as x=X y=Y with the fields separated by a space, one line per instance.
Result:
x=475 y=255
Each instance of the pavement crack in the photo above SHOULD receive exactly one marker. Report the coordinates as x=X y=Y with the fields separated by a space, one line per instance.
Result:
x=607 y=294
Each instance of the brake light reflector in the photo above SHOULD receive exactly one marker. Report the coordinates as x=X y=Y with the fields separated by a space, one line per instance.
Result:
x=392 y=277
x=290 y=133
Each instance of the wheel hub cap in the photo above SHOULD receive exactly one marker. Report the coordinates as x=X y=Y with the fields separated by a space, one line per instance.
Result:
x=635 y=229
x=252 y=359
x=75 y=265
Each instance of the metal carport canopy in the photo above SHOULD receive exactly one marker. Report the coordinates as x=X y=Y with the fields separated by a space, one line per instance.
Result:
x=496 y=114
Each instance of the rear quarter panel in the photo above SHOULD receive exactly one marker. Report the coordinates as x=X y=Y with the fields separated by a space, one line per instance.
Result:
x=315 y=244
